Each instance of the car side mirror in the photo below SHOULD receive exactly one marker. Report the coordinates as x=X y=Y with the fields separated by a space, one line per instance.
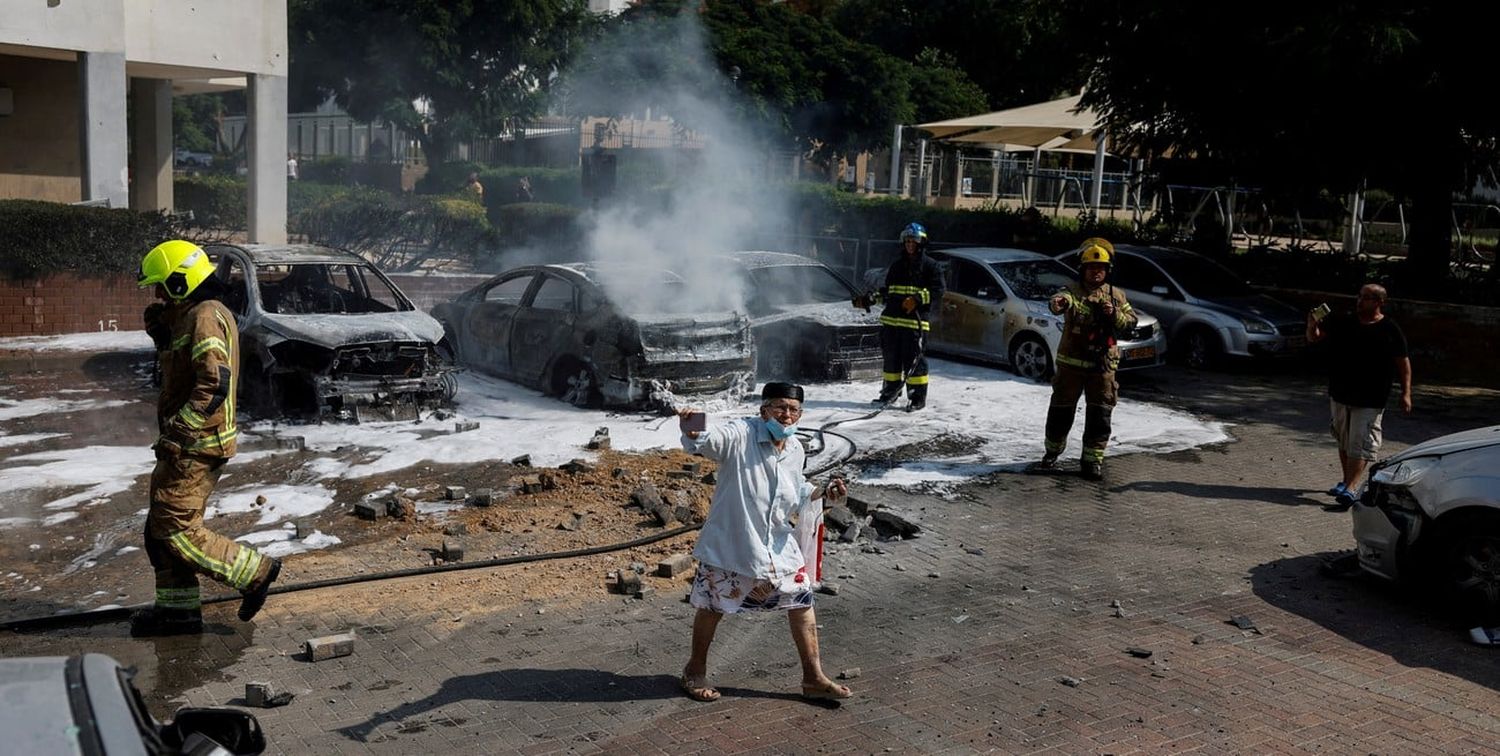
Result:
x=236 y=731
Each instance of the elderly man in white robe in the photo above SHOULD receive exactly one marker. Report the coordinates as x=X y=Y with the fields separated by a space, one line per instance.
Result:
x=758 y=549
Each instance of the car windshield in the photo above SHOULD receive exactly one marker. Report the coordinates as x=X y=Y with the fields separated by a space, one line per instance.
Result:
x=1205 y=278
x=782 y=285
x=1034 y=279
x=325 y=289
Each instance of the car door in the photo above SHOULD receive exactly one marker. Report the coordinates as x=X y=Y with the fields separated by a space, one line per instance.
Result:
x=973 y=309
x=487 y=324
x=543 y=325
x=1149 y=289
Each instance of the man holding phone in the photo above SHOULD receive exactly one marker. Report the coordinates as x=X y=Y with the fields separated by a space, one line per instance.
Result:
x=758 y=549
x=1366 y=352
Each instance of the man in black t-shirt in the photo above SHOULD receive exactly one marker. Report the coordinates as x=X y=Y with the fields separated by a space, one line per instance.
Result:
x=1366 y=352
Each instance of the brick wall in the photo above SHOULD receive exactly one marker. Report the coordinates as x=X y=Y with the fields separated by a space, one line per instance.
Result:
x=64 y=304
x=426 y=291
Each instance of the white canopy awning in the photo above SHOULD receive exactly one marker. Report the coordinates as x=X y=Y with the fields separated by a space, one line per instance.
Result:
x=1056 y=125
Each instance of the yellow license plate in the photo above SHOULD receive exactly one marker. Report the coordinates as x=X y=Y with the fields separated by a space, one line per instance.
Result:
x=1140 y=353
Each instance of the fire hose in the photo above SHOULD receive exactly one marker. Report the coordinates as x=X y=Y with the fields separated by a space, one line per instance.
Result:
x=116 y=614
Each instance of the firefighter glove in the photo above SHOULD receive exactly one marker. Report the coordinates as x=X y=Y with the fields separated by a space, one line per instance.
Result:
x=909 y=304
x=166 y=447
x=862 y=301
x=156 y=326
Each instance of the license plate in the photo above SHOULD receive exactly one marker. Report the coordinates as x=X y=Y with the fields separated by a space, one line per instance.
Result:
x=1296 y=342
x=1140 y=353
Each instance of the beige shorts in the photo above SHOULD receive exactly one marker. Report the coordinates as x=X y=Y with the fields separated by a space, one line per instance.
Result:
x=1357 y=429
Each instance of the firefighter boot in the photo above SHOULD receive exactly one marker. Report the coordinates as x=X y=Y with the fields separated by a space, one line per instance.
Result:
x=1091 y=469
x=155 y=621
x=255 y=595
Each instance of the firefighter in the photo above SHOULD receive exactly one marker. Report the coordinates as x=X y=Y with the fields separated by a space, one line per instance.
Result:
x=1093 y=313
x=912 y=284
x=198 y=349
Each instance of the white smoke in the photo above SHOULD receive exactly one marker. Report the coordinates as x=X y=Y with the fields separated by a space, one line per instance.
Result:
x=718 y=202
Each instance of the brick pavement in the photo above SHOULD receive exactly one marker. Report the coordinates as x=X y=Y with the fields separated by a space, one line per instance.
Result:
x=969 y=661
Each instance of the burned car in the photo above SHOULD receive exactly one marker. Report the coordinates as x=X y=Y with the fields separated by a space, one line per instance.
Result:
x=803 y=320
x=600 y=335
x=324 y=334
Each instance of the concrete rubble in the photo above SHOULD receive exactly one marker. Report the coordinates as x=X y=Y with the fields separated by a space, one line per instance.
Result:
x=675 y=565
x=464 y=426
x=600 y=439
x=329 y=647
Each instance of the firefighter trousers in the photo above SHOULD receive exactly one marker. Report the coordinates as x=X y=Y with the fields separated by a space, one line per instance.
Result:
x=904 y=362
x=1100 y=392
x=178 y=545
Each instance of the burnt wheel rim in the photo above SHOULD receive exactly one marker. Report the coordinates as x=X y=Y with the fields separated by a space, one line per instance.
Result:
x=1199 y=350
x=1476 y=571
x=1031 y=360
x=579 y=388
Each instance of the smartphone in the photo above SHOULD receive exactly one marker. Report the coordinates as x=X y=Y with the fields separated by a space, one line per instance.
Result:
x=1321 y=311
x=695 y=422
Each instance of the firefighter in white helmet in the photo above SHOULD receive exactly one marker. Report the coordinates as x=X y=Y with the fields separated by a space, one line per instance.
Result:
x=197 y=344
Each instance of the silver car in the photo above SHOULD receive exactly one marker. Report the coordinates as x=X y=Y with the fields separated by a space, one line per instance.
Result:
x=1208 y=311
x=1432 y=513
x=995 y=309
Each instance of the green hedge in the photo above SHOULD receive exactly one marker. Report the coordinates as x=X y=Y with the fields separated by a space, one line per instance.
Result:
x=561 y=186
x=399 y=232
x=41 y=238
x=215 y=200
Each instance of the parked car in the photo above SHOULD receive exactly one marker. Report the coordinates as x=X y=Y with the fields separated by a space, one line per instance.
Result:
x=595 y=335
x=88 y=704
x=995 y=309
x=1208 y=311
x=1432 y=513
x=804 y=322
x=324 y=334
x=184 y=156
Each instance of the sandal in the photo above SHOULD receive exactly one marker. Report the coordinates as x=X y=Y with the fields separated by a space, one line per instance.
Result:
x=827 y=691
x=698 y=689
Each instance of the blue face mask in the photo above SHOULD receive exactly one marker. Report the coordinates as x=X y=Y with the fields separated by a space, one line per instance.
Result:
x=778 y=431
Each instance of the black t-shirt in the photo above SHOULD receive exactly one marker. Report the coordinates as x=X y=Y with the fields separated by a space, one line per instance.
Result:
x=1363 y=359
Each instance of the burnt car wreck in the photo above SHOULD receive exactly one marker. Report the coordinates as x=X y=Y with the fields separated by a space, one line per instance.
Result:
x=596 y=336
x=803 y=320
x=325 y=335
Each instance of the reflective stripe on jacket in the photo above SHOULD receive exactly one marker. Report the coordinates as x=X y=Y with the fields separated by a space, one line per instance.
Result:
x=1086 y=343
x=199 y=375
x=919 y=278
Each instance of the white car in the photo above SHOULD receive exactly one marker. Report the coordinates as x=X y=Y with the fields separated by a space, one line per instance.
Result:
x=1432 y=513
x=995 y=310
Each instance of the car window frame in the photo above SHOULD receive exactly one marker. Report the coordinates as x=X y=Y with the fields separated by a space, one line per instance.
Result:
x=529 y=276
x=529 y=299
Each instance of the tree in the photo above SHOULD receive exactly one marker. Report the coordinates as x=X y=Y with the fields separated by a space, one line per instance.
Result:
x=1301 y=96
x=442 y=70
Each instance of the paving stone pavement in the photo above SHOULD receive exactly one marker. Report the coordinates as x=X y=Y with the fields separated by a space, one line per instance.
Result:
x=1004 y=628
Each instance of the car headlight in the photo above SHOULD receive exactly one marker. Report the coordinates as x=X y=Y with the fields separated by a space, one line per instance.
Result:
x=1405 y=472
x=1258 y=326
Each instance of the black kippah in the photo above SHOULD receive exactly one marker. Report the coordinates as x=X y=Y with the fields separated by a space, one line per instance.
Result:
x=778 y=390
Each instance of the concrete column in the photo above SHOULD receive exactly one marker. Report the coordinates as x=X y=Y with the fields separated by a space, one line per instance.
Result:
x=101 y=92
x=894 y=187
x=151 y=144
x=265 y=151
x=1101 y=143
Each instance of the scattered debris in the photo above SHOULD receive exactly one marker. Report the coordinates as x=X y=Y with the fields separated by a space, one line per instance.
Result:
x=453 y=551
x=456 y=493
x=301 y=530
x=294 y=443
x=1115 y=604
x=329 y=647
x=710 y=478
x=851 y=533
x=1071 y=682
x=693 y=469
x=600 y=439
x=1199 y=639
x=456 y=529
x=463 y=426
x=675 y=565
x=644 y=591
x=262 y=696
x=679 y=475
x=838 y=518
x=482 y=497
x=829 y=589
x=369 y=510
x=934 y=574
x=1244 y=623
x=1138 y=652
x=573 y=523
x=974 y=550
x=849 y=674
x=260 y=500
x=628 y=582
x=577 y=467
x=618 y=472
x=960 y=619
x=522 y=461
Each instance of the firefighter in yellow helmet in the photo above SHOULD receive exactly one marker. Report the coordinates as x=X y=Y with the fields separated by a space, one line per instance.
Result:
x=1094 y=311
x=197 y=345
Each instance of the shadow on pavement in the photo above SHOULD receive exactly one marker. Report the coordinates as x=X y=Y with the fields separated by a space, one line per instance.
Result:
x=1401 y=624
x=1291 y=497
x=544 y=685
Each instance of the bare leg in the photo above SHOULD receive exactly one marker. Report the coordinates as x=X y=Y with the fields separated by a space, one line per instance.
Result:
x=695 y=674
x=804 y=625
x=1354 y=471
x=1344 y=466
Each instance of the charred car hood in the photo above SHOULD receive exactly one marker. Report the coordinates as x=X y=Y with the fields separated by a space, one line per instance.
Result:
x=830 y=314
x=334 y=331
x=704 y=337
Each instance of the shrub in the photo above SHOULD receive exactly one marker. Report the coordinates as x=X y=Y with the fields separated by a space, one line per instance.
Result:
x=41 y=238
x=549 y=228
x=215 y=200
x=334 y=169
x=398 y=233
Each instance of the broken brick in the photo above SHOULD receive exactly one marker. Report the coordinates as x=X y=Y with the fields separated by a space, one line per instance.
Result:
x=577 y=467
x=675 y=565
x=329 y=647
x=456 y=529
x=692 y=468
x=531 y=484
x=463 y=426
x=598 y=442
x=522 y=461
x=369 y=510
x=453 y=551
x=680 y=475
x=573 y=523
x=258 y=693
x=710 y=478
x=628 y=582
x=851 y=533
x=295 y=443
x=456 y=493
x=838 y=518
x=482 y=497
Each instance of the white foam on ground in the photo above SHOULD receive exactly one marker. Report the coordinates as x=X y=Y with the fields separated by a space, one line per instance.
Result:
x=107 y=470
x=26 y=438
x=12 y=409
x=282 y=541
x=102 y=341
x=283 y=502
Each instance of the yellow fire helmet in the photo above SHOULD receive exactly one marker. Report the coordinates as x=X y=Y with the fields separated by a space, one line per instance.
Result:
x=1096 y=250
x=179 y=266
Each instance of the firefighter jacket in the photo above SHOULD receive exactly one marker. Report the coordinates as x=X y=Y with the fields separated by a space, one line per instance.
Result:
x=919 y=278
x=1088 y=340
x=199 y=375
